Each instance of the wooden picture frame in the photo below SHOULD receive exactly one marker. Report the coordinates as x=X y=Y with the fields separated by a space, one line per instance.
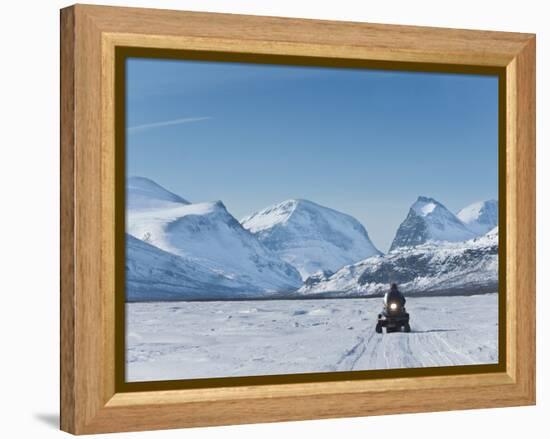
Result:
x=91 y=399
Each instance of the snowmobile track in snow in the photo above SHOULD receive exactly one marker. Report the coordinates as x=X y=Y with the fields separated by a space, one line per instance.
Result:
x=184 y=340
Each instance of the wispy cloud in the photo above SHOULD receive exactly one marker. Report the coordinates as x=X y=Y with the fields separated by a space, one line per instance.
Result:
x=166 y=123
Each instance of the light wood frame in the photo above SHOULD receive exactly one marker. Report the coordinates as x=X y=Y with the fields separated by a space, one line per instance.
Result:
x=89 y=37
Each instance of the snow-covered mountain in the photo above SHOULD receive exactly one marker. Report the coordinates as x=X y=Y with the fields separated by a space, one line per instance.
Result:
x=153 y=274
x=143 y=193
x=480 y=217
x=209 y=236
x=310 y=237
x=179 y=251
x=431 y=267
x=429 y=220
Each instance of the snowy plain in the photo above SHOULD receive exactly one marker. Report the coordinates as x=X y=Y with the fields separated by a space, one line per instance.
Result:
x=186 y=340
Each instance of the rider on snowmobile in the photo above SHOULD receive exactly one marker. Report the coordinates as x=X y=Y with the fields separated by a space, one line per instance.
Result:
x=393 y=317
x=394 y=295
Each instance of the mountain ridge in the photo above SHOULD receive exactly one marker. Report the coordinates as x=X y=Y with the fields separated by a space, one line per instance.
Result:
x=481 y=216
x=144 y=193
x=195 y=251
x=309 y=236
x=429 y=267
x=209 y=235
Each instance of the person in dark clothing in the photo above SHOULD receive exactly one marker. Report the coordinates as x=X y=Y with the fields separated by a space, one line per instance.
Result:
x=393 y=317
x=394 y=295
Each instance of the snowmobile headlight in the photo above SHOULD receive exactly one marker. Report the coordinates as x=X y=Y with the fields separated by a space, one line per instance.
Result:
x=393 y=306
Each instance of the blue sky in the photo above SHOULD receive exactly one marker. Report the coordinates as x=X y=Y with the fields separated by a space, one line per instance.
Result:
x=364 y=142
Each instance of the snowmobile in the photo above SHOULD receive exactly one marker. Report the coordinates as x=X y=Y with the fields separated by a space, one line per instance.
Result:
x=393 y=317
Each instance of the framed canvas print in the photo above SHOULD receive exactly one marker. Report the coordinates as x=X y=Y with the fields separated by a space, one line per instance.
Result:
x=270 y=219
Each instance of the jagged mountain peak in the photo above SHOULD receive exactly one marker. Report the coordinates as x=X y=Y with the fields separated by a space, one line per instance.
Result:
x=425 y=206
x=429 y=220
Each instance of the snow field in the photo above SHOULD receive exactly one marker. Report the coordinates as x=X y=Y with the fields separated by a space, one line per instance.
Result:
x=185 y=340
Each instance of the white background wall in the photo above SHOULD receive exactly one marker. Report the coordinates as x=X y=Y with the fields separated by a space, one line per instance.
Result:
x=29 y=236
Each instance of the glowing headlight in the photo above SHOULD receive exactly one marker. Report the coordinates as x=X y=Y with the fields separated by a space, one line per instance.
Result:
x=393 y=306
